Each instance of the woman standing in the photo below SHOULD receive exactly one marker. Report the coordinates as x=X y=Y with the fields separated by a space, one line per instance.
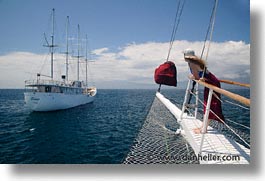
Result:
x=200 y=72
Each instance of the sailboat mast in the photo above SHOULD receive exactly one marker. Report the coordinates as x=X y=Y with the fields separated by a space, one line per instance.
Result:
x=78 y=51
x=86 y=60
x=67 y=48
x=52 y=45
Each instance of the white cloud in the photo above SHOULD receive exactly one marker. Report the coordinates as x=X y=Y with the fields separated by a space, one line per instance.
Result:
x=133 y=64
x=100 y=51
x=137 y=62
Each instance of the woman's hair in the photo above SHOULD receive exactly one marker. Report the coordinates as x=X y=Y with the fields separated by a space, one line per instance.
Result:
x=196 y=60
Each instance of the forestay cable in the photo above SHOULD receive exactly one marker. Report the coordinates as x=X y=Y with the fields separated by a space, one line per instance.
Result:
x=180 y=7
x=209 y=30
x=212 y=22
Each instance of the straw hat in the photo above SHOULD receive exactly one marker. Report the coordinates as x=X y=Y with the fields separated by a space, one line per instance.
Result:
x=190 y=57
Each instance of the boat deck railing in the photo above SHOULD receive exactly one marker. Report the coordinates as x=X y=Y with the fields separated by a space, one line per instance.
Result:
x=40 y=82
x=229 y=94
x=212 y=89
x=58 y=87
x=44 y=82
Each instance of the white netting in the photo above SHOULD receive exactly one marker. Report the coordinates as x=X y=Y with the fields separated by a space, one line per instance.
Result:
x=157 y=141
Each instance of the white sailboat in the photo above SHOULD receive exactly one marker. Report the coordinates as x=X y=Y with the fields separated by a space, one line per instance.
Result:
x=51 y=95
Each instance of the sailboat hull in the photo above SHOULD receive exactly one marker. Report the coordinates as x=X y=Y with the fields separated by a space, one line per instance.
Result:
x=41 y=101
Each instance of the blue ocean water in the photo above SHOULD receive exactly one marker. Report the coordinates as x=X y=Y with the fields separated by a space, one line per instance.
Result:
x=100 y=132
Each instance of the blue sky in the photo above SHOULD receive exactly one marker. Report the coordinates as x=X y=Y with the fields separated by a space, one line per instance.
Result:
x=115 y=27
x=114 y=23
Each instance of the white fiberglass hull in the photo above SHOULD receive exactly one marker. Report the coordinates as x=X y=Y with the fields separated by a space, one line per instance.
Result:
x=41 y=101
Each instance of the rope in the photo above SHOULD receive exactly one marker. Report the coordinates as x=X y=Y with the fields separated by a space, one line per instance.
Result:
x=235 y=104
x=180 y=7
x=211 y=24
x=176 y=24
x=238 y=124
x=231 y=129
x=232 y=104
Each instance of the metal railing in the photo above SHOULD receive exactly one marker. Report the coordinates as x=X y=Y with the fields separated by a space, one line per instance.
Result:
x=44 y=82
x=212 y=89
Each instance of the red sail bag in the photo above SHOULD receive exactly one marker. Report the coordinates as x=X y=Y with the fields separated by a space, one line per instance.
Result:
x=166 y=74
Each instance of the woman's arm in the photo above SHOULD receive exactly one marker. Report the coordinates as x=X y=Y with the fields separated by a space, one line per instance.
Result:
x=195 y=70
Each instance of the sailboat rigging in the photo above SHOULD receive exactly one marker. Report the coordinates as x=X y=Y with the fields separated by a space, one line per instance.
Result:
x=51 y=95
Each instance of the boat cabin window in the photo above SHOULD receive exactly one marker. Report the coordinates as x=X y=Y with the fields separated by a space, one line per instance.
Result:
x=40 y=89
x=47 y=88
x=77 y=84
